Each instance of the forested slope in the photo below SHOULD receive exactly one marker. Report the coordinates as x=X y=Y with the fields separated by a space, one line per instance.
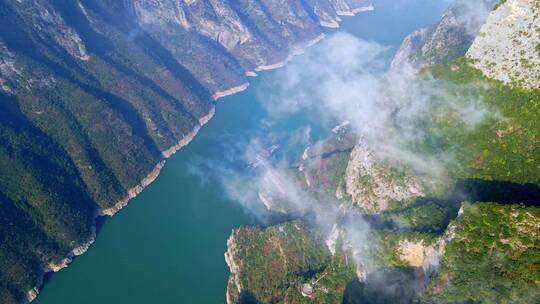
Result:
x=94 y=94
x=470 y=235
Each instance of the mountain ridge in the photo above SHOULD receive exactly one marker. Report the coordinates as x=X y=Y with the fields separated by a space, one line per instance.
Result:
x=473 y=240
x=113 y=88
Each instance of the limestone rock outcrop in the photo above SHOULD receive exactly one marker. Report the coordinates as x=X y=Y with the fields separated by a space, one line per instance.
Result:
x=508 y=45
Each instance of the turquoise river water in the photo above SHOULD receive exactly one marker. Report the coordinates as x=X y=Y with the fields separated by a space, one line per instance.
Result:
x=167 y=246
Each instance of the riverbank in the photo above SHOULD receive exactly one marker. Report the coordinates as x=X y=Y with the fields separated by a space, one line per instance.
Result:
x=171 y=240
x=155 y=172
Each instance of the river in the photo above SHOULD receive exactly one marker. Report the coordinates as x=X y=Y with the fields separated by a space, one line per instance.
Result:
x=167 y=246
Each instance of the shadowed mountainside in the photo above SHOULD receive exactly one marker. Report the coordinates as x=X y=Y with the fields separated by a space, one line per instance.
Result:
x=95 y=94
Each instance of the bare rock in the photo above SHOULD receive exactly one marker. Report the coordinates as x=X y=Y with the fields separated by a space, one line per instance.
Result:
x=508 y=45
x=374 y=184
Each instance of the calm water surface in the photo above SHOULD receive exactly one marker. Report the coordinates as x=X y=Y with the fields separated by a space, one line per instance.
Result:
x=168 y=245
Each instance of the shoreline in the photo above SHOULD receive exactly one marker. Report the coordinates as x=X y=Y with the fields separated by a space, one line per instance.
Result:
x=295 y=51
x=234 y=269
x=137 y=189
x=334 y=23
x=154 y=173
x=231 y=91
x=355 y=11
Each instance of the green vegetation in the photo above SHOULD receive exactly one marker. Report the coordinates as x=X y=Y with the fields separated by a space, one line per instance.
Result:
x=275 y=262
x=505 y=145
x=493 y=258
x=491 y=255
x=392 y=174
x=385 y=246
x=429 y=217
x=326 y=168
x=45 y=211
x=76 y=135
x=488 y=136
x=458 y=42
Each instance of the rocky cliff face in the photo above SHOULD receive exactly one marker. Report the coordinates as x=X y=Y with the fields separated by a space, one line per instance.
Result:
x=375 y=185
x=446 y=40
x=485 y=252
x=96 y=94
x=508 y=45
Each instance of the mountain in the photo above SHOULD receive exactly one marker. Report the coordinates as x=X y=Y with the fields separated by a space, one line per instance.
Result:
x=508 y=45
x=96 y=94
x=468 y=235
x=448 y=39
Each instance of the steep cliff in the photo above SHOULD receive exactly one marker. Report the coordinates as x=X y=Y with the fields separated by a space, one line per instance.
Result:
x=286 y=263
x=508 y=45
x=487 y=252
x=375 y=185
x=492 y=257
x=448 y=39
x=96 y=94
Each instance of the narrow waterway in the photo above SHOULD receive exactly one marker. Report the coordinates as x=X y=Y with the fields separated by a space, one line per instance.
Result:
x=167 y=246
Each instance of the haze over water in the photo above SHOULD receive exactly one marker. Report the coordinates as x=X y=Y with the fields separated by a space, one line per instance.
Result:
x=167 y=246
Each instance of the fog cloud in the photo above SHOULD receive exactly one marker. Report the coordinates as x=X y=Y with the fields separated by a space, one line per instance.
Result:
x=346 y=79
x=471 y=15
